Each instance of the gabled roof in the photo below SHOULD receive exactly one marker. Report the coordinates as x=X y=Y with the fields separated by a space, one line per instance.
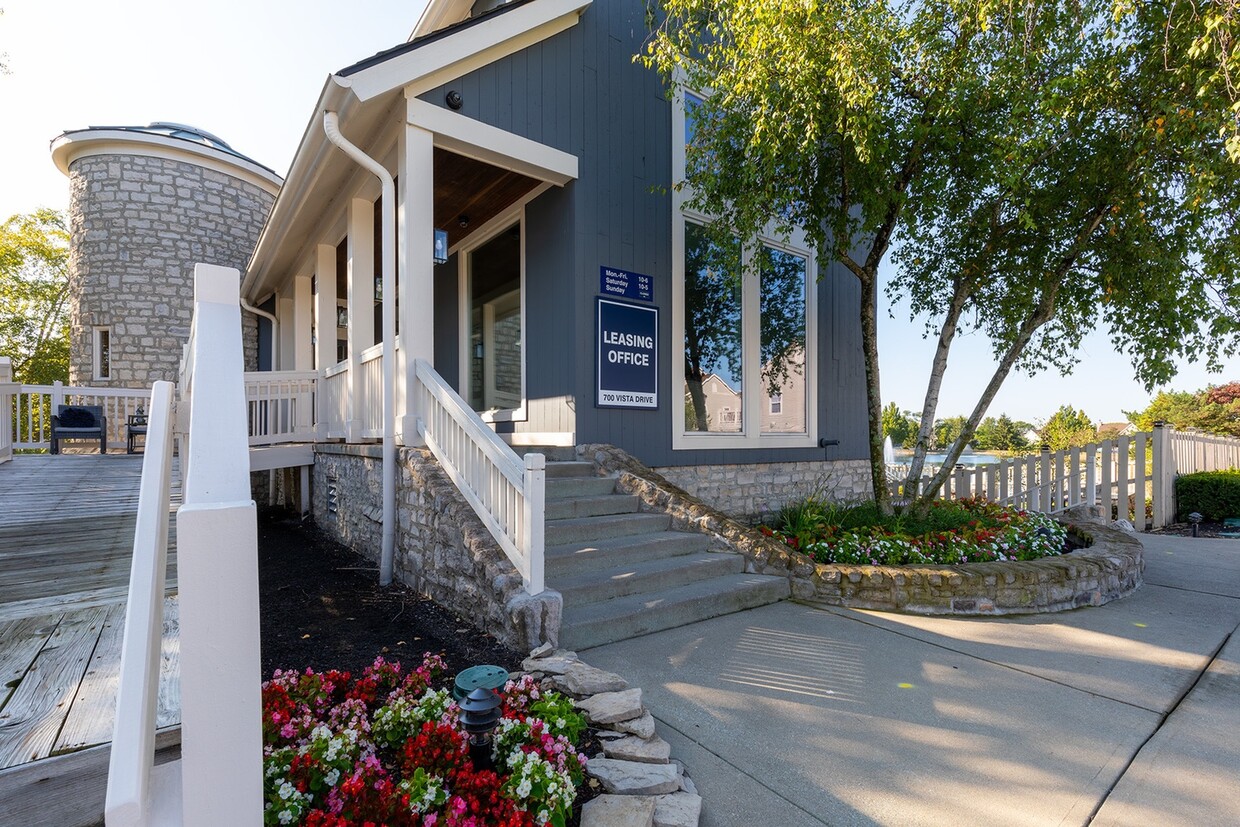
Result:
x=370 y=94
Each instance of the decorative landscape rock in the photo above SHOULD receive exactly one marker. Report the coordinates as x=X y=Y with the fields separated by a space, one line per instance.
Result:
x=610 y=707
x=619 y=811
x=642 y=727
x=678 y=810
x=634 y=778
x=555 y=664
x=648 y=751
x=583 y=679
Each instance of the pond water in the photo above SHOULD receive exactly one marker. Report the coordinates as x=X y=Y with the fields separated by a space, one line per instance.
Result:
x=968 y=459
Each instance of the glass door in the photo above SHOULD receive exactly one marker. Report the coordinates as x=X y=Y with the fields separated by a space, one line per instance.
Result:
x=496 y=328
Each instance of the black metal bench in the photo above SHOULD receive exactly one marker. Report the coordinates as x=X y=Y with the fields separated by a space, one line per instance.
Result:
x=79 y=422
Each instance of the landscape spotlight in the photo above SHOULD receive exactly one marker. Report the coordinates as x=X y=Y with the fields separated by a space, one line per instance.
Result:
x=1195 y=518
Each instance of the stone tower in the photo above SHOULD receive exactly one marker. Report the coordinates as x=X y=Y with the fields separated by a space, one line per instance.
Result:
x=146 y=203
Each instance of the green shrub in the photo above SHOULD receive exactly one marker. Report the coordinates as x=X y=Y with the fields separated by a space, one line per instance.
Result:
x=1213 y=494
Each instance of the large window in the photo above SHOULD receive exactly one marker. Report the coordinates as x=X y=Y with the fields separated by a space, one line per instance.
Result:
x=742 y=325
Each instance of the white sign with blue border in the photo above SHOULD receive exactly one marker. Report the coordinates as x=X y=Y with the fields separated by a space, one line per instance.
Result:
x=628 y=355
x=622 y=284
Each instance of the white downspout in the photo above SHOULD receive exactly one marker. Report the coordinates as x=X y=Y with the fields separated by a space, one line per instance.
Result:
x=331 y=126
x=275 y=330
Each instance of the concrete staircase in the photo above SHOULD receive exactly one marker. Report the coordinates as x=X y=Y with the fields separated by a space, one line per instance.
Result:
x=625 y=573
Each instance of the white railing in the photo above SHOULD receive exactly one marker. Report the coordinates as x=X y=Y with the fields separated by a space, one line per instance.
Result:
x=369 y=387
x=220 y=770
x=8 y=394
x=507 y=493
x=280 y=406
x=137 y=793
x=333 y=402
x=35 y=404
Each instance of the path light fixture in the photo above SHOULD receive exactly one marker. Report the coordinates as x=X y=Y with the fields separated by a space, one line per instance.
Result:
x=479 y=716
x=1195 y=518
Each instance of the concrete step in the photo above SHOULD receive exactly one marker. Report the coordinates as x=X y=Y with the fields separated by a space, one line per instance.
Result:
x=558 y=488
x=591 y=529
x=575 y=559
x=553 y=453
x=557 y=470
x=595 y=624
x=646 y=575
x=597 y=506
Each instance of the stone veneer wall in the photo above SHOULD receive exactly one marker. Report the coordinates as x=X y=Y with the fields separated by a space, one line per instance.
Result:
x=138 y=225
x=442 y=548
x=1110 y=567
x=762 y=488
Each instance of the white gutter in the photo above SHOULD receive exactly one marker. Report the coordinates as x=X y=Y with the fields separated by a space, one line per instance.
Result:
x=275 y=330
x=331 y=126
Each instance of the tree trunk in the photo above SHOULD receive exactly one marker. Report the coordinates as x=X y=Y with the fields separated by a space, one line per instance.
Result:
x=874 y=402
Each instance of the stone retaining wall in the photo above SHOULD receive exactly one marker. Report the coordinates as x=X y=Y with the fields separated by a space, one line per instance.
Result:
x=1110 y=567
x=442 y=548
x=762 y=488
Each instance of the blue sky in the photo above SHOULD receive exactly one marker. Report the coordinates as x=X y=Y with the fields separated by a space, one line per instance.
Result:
x=251 y=71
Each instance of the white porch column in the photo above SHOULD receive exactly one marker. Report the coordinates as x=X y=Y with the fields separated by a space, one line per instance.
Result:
x=361 y=275
x=325 y=306
x=284 y=312
x=302 y=350
x=415 y=254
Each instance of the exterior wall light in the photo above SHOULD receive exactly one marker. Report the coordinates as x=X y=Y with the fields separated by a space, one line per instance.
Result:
x=454 y=100
x=480 y=715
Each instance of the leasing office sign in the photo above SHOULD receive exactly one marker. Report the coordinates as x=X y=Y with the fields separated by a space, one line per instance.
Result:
x=628 y=355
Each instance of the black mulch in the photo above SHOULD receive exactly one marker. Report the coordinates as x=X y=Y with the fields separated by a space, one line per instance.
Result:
x=322 y=607
x=1204 y=529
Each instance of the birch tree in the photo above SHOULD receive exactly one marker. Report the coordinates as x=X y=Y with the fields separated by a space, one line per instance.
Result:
x=1032 y=170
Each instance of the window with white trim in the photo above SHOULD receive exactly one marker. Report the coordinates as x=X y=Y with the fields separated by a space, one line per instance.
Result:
x=102 y=353
x=741 y=322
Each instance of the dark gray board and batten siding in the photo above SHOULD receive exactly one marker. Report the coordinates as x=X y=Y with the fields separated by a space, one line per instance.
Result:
x=581 y=92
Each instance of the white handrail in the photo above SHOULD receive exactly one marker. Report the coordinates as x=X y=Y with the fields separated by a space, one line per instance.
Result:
x=33 y=405
x=507 y=493
x=129 y=794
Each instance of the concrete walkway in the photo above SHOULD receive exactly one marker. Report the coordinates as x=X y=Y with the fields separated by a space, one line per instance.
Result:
x=1126 y=714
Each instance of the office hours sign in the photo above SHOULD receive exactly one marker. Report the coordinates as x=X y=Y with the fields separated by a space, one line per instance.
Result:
x=628 y=355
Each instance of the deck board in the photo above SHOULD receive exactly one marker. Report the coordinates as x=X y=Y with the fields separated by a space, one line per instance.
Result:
x=35 y=712
x=66 y=542
x=91 y=715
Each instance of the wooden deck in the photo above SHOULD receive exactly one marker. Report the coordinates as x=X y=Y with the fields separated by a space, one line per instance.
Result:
x=66 y=537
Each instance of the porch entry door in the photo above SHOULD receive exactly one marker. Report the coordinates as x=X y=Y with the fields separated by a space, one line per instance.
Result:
x=496 y=325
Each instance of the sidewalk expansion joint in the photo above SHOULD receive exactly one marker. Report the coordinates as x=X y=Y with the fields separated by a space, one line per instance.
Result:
x=1192 y=591
x=740 y=770
x=1161 y=722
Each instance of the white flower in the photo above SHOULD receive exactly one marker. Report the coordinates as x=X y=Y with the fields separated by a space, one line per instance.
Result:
x=523 y=789
x=286 y=789
x=285 y=817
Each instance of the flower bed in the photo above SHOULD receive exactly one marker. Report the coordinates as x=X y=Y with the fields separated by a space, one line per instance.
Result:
x=985 y=532
x=387 y=748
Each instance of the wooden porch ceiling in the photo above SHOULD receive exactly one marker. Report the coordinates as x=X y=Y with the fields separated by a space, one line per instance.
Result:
x=472 y=189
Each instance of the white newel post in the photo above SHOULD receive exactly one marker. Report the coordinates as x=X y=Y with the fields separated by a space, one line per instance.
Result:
x=533 y=521
x=221 y=743
x=7 y=390
x=416 y=254
x=361 y=283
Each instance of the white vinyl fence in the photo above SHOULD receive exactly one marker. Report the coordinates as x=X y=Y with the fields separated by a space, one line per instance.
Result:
x=507 y=493
x=1132 y=477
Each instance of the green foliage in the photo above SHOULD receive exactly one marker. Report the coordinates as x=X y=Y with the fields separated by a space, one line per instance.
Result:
x=561 y=717
x=34 y=288
x=1001 y=434
x=1215 y=409
x=1041 y=170
x=1066 y=428
x=946 y=431
x=947 y=532
x=900 y=425
x=1213 y=494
